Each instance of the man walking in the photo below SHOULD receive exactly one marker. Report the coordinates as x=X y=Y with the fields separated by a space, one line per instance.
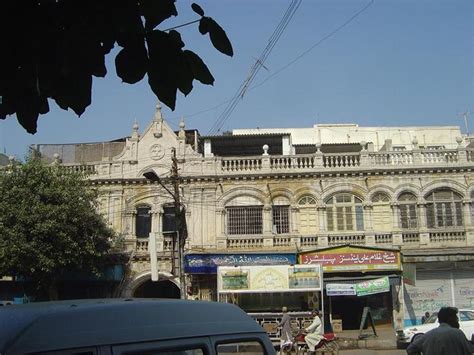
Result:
x=447 y=339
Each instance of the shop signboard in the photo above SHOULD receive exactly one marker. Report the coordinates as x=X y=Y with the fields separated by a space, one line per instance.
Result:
x=350 y=258
x=269 y=278
x=208 y=263
x=371 y=287
x=340 y=289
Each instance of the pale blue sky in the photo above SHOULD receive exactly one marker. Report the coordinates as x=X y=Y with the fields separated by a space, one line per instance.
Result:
x=401 y=62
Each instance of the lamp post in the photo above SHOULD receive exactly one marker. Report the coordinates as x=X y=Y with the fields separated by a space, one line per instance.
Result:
x=178 y=238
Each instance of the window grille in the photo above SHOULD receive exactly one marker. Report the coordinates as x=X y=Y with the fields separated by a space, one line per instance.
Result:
x=143 y=222
x=281 y=219
x=244 y=220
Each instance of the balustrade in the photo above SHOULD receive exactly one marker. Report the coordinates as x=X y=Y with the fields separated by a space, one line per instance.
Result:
x=341 y=160
x=307 y=241
x=384 y=238
x=448 y=237
x=282 y=242
x=82 y=168
x=269 y=322
x=241 y=164
x=245 y=243
x=439 y=156
x=346 y=239
x=411 y=238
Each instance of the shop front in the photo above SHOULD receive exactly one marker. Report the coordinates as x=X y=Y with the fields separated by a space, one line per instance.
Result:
x=357 y=277
x=202 y=272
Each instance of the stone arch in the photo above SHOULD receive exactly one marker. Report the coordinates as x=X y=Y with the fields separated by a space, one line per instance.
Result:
x=306 y=191
x=444 y=184
x=409 y=188
x=132 y=285
x=279 y=193
x=387 y=190
x=159 y=169
x=241 y=192
x=351 y=188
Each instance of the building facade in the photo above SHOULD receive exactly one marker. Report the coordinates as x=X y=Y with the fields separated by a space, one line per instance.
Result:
x=272 y=195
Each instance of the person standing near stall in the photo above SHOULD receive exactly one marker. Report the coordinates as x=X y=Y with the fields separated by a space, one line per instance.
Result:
x=285 y=331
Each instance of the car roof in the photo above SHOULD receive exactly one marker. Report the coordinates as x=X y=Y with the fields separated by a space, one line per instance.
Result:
x=45 y=326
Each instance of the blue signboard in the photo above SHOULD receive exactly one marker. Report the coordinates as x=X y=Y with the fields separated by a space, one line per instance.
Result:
x=208 y=263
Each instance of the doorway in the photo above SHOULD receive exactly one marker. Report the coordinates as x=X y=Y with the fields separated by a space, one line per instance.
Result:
x=158 y=289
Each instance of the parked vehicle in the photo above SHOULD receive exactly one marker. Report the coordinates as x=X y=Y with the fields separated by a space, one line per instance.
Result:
x=466 y=322
x=130 y=326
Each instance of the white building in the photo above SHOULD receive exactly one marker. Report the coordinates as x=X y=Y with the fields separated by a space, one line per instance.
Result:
x=271 y=195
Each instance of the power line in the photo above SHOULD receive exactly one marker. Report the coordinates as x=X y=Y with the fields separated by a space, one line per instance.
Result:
x=288 y=15
x=347 y=22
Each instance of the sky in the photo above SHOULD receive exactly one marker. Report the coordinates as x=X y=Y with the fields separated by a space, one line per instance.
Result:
x=398 y=63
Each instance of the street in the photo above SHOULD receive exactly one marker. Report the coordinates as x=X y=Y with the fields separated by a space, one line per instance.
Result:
x=373 y=352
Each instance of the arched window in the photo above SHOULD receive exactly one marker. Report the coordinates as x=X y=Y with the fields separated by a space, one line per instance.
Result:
x=443 y=209
x=344 y=213
x=382 y=219
x=143 y=222
x=244 y=216
x=307 y=200
x=307 y=215
x=407 y=207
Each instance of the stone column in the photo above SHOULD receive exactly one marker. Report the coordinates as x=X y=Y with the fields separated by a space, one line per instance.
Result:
x=129 y=229
x=466 y=213
x=267 y=219
x=221 y=233
x=294 y=219
x=397 y=236
x=368 y=226
x=322 y=218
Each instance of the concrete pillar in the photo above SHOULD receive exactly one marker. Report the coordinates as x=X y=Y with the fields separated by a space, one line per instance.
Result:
x=286 y=145
x=395 y=217
x=466 y=213
x=422 y=216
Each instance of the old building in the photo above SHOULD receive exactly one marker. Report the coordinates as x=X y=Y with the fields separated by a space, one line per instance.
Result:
x=376 y=199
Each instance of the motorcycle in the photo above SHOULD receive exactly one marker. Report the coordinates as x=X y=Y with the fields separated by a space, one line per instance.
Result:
x=298 y=345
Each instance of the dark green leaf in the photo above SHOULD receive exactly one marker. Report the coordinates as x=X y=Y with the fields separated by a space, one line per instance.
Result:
x=156 y=11
x=165 y=93
x=131 y=64
x=197 y=9
x=204 y=25
x=219 y=38
x=198 y=67
x=185 y=75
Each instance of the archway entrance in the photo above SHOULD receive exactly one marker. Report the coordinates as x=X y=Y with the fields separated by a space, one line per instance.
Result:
x=158 y=289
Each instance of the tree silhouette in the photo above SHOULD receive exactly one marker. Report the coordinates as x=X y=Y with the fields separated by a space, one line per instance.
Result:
x=52 y=48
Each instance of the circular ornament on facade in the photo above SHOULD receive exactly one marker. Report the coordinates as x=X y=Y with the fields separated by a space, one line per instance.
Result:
x=157 y=152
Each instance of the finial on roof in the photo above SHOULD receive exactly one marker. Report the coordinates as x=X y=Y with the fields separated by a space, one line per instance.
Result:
x=135 y=125
x=158 y=115
x=181 y=133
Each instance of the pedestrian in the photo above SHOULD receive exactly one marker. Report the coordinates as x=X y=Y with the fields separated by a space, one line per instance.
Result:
x=447 y=339
x=285 y=328
x=314 y=332
x=425 y=317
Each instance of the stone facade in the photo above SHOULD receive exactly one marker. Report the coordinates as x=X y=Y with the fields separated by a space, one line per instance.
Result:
x=410 y=188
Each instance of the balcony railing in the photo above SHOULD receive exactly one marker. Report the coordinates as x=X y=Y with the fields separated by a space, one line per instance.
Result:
x=254 y=165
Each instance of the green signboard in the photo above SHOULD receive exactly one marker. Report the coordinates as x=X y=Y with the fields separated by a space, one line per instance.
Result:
x=371 y=287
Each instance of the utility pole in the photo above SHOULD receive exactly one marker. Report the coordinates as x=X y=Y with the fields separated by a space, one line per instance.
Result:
x=179 y=238
x=180 y=218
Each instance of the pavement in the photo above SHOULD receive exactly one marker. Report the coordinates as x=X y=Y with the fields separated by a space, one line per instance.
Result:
x=385 y=339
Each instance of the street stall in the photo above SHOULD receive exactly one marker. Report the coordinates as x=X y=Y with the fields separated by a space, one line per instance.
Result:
x=357 y=277
x=262 y=291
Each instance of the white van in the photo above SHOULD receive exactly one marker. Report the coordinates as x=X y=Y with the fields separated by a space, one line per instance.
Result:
x=131 y=327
